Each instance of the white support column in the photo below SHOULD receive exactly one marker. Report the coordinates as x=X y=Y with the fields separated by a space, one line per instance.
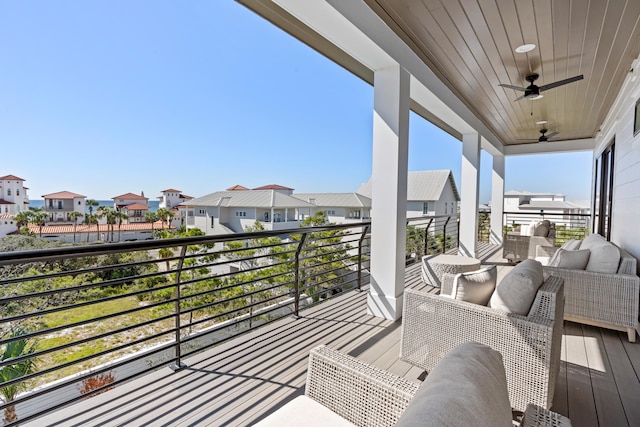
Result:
x=497 y=200
x=470 y=194
x=389 y=192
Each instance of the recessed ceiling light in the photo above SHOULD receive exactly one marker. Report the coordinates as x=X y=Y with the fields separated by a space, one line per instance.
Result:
x=542 y=122
x=525 y=48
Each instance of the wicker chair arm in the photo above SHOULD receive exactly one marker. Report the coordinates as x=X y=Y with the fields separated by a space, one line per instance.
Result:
x=549 y=299
x=446 y=284
x=536 y=416
x=355 y=390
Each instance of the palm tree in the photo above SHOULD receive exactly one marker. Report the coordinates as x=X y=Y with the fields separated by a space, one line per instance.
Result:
x=165 y=215
x=22 y=219
x=151 y=217
x=120 y=217
x=14 y=371
x=74 y=217
x=90 y=203
x=165 y=253
x=38 y=217
x=109 y=213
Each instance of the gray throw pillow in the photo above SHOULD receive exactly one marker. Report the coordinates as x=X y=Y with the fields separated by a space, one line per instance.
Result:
x=475 y=286
x=605 y=258
x=541 y=230
x=574 y=260
x=468 y=387
x=517 y=290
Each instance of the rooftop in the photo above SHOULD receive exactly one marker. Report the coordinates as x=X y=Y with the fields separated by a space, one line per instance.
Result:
x=63 y=195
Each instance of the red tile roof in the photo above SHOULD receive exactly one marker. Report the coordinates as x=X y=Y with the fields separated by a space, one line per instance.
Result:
x=130 y=196
x=82 y=228
x=136 y=207
x=237 y=187
x=6 y=216
x=10 y=178
x=184 y=196
x=62 y=195
x=170 y=190
x=273 y=187
x=4 y=202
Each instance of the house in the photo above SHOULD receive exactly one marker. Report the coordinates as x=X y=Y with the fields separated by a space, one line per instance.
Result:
x=13 y=195
x=60 y=205
x=521 y=207
x=133 y=205
x=171 y=198
x=225 y=212
x=339 y=207
x=431 y=193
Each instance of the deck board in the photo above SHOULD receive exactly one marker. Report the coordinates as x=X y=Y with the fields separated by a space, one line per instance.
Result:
x=244 y=379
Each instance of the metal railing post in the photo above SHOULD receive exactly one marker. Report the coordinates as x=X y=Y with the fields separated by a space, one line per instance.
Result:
x=364 y=234
x=426 y=237
x=296 y=291
x=178 y=358
x=444 y=235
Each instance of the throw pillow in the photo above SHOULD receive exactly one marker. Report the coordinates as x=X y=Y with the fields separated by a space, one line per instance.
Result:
x=518 y=288
x=575 y=260
x=475 y=286
x=468 y=387
x=605 y=258
x=590 y=240
x=541 y=230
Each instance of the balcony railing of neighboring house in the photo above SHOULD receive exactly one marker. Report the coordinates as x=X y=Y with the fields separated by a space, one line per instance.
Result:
x=100 y=315
x=568 y=225
x=428 y=235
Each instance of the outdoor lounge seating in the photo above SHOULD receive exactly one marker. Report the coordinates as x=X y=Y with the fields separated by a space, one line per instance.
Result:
x=602 y=291
x=530 y=343
x=468 y=387
x=521 y=244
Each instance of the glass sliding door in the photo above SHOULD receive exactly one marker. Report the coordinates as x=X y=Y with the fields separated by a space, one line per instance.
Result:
x=604 y=192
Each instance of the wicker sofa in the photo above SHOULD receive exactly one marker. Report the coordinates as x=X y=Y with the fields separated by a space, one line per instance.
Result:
x=530 y=344
x=344 y=391
x=521 y=244
x=608 y=300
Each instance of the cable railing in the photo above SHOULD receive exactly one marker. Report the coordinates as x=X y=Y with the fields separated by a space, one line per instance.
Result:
x=83 y=319
x=567 y=225
x=429 y=235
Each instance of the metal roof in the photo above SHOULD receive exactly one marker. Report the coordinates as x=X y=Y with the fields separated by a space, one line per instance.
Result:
x=248 y=199
x=422 y=185
x=346 y=200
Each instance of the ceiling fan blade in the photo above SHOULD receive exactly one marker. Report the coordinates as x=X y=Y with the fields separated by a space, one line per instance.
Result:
x=552 y=134
x=521 y=89
x=518 y=99
x=560 y=83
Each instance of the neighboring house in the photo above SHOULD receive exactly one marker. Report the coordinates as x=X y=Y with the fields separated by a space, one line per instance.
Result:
x=133 y=205
x=279 y=188
x=171 y=198
x=339 y=207
x=60 y=205
x=13 y=195
x=527 y=205
x=82 y=233
x=225 y=212
x=428 y=193
x=7 y=224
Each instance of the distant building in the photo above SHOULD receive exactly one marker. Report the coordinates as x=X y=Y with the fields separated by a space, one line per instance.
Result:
x=7 y=224
x=525 y=205
x=339 y=207
x=428 y=193
x=133 y=205
x=226 y=212
x=171 y=198
x=60 y=205
x=82 y=233
x=13 y=195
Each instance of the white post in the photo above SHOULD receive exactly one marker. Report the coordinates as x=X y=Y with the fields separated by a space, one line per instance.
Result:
x=389 y=192
x=470 y=194
x=497 y=200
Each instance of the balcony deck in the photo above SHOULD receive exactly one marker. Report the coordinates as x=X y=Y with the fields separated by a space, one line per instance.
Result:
x=243 y=380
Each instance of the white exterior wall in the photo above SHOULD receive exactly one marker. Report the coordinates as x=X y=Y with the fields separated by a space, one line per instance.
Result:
x=626 y=192
x=7 y=225
x=13 y=191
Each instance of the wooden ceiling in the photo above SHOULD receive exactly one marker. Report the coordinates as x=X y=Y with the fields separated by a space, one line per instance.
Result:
x=471 y=45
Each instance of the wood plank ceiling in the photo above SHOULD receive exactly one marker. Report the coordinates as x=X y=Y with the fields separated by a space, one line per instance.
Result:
x=471 y=45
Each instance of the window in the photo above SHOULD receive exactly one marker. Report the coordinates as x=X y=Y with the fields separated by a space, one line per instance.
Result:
x=241 y=213
x=17 y=191
x=604 y=191
x=202 y=212
x=425 y=208
x=446 y=205
x=330 y=212
x=8 y=191
x=636 y=119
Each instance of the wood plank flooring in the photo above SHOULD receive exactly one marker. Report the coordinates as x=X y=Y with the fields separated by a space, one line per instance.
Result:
x=242 y=381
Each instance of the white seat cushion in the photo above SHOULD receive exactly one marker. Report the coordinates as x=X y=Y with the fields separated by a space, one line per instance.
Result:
x=517 y=290
x=575 y=260
x=304 y=411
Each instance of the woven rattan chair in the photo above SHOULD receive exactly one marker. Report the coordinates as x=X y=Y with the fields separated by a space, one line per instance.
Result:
x=530 y=345
x=368 y=396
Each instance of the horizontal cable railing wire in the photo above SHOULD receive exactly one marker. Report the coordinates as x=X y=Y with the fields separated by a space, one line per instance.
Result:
x=567 y=225
x=111 y=312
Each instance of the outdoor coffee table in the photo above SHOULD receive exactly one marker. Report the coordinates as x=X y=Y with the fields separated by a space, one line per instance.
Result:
x=434 y=266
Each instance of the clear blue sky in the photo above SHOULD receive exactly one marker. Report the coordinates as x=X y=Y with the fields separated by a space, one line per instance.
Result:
x=108 y=97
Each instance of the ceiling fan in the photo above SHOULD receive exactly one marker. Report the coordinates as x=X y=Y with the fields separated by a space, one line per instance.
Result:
x=543 y=137
x=533 y=92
